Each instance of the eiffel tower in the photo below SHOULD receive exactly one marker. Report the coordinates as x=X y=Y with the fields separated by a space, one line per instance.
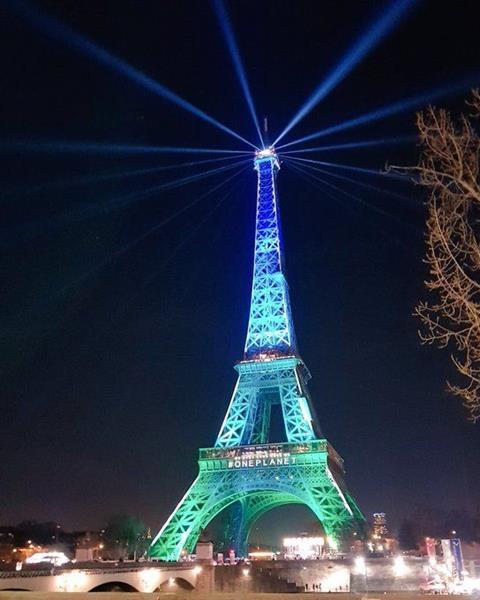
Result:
x=244 y=467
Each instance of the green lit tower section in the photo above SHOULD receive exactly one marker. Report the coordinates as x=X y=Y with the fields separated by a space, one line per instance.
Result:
x=246 y=466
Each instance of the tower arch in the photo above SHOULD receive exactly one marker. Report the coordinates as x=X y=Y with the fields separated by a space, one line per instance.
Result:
x=292 y=473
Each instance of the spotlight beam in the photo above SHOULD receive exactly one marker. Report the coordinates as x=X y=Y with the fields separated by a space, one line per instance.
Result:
x=350 y=168
x=395 y=108
x=368 y=186
x=163 y=222
x=355 y=197
x=72 y=39
x=305 y=176
x=169 y=185
x=87 y=147
x=106 y=261
x=227 y=30
x=53 y=223
x=401 y=139
x=382 y=26
x=180 y=245
x=180 y=182
x=88 y=179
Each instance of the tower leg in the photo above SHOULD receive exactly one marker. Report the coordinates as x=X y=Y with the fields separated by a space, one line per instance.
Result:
x=235 y=530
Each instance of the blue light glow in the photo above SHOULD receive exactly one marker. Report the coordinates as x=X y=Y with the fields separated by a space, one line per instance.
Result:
x=104 y=148
x=127 y=199
x=391 y=15
x=88 y=179
x=350 y=195
x=60 y=31
x=106 y=261
x=87 y=212
x=354 y=181
x=401 y=139
x=164 y=222
x=227 y=30
x=270 y=326
x=377 y=173
x=392 y=109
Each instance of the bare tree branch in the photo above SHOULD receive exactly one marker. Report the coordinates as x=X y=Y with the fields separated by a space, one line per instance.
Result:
x=449 y=169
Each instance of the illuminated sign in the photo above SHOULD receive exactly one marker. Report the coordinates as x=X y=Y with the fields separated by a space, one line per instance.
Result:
x=282 y=454
x=261 y=458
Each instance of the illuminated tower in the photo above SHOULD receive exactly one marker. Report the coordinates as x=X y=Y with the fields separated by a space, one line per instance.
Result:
x=245 y=466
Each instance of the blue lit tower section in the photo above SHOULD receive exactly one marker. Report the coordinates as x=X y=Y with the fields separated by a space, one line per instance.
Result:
x=270 y=327
x=271 y=372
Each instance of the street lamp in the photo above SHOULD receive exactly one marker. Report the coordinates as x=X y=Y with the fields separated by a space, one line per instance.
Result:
x=361 y=569
x=399 y=566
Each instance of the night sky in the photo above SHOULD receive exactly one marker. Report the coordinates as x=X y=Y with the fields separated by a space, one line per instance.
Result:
x=117 y=358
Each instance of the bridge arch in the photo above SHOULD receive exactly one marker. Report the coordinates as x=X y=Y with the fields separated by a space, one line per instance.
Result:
x=114 y=586
x=173 y=584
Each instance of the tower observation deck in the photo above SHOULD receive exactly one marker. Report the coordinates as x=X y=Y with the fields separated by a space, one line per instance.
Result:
x=245 y=466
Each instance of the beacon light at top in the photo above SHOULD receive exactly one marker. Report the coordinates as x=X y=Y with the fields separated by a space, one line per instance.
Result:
x=266 y=153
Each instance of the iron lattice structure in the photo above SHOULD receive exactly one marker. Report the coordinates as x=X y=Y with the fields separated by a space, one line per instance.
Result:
x=244 y=466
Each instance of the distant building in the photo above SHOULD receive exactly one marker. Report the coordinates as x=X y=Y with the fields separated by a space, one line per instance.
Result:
x=380 y=529
x=88 y=545
x=303 y=547
x=381 y=542
x=6 y=546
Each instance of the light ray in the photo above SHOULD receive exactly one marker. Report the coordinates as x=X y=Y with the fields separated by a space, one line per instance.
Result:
x=189 y=179
x=388 y=19
x=419 y=100
x=374 y=172
x=227 y=30
x=336 y=198
x=89 y=147
x=53 y=223
x=89 y=179
x=127 y=199
x=179 y=246
x=356 y=181
x=106 y=261
x=171 y=217
x=401 y=139
x=60 y=31
x=358 y=199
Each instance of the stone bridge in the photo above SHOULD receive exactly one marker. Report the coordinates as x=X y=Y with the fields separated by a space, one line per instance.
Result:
x=146 y=577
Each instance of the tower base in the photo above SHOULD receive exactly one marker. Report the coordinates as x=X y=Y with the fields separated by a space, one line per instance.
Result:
x=261 y=477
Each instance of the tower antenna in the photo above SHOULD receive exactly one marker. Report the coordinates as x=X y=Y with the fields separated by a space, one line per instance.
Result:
x=266 y=135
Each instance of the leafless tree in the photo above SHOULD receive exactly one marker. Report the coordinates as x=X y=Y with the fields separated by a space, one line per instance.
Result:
x=449 y=169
